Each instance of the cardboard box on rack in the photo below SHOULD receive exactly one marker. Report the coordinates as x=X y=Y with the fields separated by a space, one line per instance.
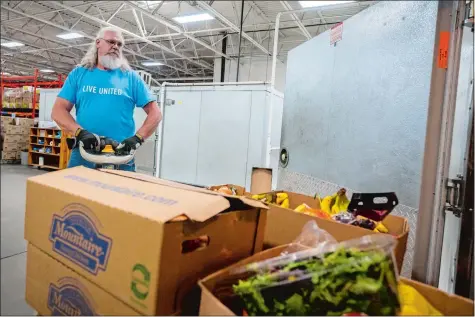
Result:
x=13 y=129
x=10 y=146
x=10 y=155
x=54 y=289
x=12 y=138
x=217 y=283
x=144 y=240
x=284 y=225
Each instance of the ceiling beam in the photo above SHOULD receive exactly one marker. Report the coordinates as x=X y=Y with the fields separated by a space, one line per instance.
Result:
x=35 y=64
x=262 y=15
x=88 y=36
x=41 y=37
x=204 y=6
x=115 y=12
x=137 y=21
x=299 y=23
x=176 y=29
x=15 y=52
x=163 y=47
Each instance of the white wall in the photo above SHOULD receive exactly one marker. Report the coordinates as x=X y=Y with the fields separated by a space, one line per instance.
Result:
x=255 y=69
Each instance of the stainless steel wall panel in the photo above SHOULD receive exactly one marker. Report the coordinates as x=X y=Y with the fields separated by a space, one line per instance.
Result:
x=181 y=131
x=223 y=137
x=355 y=113
x=257 y=133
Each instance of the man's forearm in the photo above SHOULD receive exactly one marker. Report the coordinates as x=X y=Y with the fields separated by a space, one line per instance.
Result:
x=65 y=120
x=150 y=124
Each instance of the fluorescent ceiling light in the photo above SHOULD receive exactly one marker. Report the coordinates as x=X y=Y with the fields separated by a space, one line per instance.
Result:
x=12 y=44
x=70 y=36
x=152 y=63
x=46 y=70
x=193 y=18
x=311 y=4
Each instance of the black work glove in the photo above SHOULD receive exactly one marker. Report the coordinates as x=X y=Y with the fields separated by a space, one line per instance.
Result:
x=89 y=140
x=130 y=144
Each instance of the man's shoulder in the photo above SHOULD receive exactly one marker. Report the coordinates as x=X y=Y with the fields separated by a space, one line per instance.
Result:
x=129 y=73
x=77 y=71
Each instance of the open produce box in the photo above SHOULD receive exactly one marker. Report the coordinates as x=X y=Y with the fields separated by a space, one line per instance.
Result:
x=229 y=189
x=284 y=224
x=218 y=297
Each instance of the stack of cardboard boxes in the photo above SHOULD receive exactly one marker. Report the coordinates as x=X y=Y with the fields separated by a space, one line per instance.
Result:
x=121 y=243
x=20 y=97
x=16 y=136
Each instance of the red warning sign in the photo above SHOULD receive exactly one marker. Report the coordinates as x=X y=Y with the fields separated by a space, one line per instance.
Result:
x=336 y=33
x=444 y=42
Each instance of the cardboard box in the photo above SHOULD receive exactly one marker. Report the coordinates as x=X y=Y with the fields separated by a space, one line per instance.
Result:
x=53 y=289
x=261 y=180
x=26 y=122
x=6 y=120
x=284 y=225
x=10 y=155
x=12 y=138
x=129 y=233
x=13 y=129
x=11 y=146
x=448 y=305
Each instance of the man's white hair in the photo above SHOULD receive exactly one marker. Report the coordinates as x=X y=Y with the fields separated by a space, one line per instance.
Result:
x=90 y=59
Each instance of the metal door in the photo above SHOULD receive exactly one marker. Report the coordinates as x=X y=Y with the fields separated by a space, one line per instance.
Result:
x=180 y=142
x=438 y=228
x=457 y=172
x=223 y=137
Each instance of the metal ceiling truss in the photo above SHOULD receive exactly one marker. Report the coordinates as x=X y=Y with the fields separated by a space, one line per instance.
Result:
x=92 y=38
x=151 y=35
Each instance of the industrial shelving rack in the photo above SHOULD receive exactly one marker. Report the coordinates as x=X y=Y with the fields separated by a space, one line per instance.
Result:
x=19 y=81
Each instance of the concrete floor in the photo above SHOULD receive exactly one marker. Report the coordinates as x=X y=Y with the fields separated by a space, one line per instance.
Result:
x=13 y=246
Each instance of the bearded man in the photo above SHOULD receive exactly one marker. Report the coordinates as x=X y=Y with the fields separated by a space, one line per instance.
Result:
x=105 y=91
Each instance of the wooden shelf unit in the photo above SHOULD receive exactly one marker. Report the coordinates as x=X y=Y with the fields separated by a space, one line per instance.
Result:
x=53 y=143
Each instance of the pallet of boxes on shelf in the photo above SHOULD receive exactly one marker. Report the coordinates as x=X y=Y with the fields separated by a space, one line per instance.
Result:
x=48 y=148
x=20 y=98
x=16 y=137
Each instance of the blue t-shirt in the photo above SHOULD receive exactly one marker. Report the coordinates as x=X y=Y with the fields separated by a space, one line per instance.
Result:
x=105 y=100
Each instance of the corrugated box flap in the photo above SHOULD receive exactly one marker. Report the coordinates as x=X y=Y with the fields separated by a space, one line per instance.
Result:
x=155 y=180
x=152 y=200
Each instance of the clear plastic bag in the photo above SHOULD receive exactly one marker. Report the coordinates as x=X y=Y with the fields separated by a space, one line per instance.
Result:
x=310 y=237
x=355 y=276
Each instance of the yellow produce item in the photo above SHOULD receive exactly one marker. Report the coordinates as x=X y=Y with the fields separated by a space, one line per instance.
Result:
x=326 y=204
x=413 y=303
x=285 y=203
x=301 y=208
x=259 y=197
x=341 y=202
x=281 y=197
x=381 y=228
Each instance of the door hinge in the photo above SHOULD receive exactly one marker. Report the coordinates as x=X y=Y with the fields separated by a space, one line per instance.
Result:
x=453 y=201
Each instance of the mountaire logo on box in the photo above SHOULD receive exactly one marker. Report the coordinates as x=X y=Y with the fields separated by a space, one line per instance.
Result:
x=76 y=236
x=69 y=298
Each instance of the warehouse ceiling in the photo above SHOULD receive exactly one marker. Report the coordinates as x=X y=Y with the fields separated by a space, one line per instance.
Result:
x=186 y=50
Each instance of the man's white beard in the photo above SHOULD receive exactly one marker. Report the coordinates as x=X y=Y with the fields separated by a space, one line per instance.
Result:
x=110 y=62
